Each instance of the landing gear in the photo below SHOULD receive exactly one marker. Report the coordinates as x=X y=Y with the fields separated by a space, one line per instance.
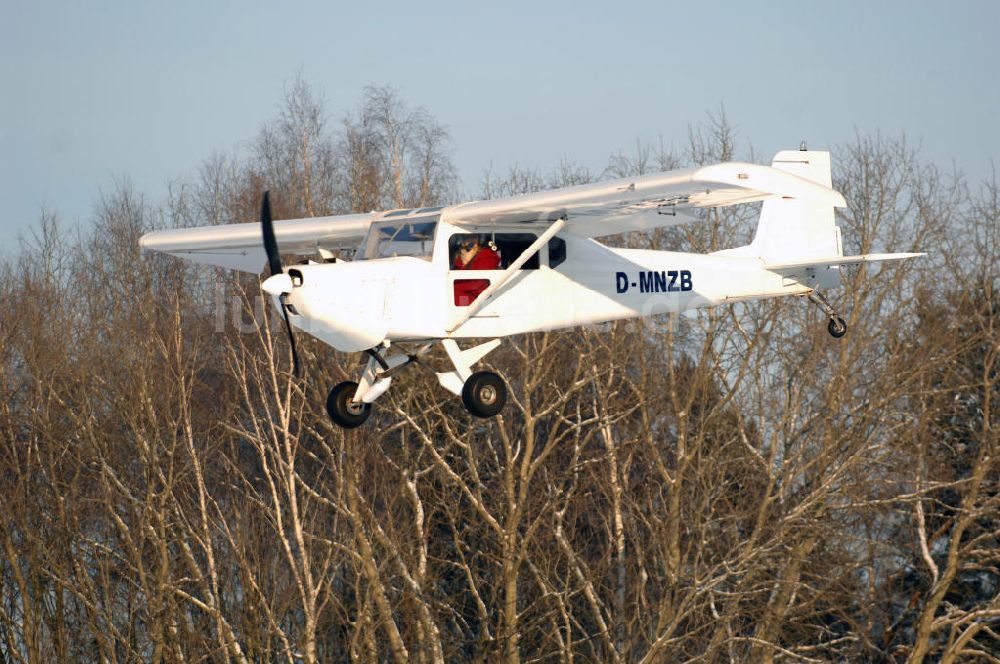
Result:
x=349 y=404
x=836 y=327
x=484 y=394
x=343 y=409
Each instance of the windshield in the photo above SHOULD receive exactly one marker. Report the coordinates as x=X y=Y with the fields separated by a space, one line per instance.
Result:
x=400 y=238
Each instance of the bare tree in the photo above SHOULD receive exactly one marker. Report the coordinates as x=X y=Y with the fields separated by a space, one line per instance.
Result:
x=392 y=156
x=731 y=486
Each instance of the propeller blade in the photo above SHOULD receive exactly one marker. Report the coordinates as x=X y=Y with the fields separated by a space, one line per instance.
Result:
x=270 y=243
x=291 y=338
x=271 y=285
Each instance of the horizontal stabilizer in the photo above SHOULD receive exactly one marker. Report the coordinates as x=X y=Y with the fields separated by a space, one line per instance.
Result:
x=838 y=260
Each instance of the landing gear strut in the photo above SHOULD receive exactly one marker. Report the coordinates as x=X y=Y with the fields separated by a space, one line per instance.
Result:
x=483 y=392
x=836 y=327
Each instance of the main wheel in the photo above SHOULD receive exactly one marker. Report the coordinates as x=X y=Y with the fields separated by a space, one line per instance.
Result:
x=484 y=394
x=342 y=409
x=836 y=327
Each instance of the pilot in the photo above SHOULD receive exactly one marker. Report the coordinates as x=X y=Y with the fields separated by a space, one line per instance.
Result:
x=474 y=253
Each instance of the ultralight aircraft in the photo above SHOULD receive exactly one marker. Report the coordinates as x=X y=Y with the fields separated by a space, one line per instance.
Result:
x=402 y=292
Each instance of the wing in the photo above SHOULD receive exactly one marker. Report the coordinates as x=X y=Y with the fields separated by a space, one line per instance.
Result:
x=650 y=201
x=241 y=246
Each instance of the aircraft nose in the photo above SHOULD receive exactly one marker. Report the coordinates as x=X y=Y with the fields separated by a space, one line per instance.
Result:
x=341 y=311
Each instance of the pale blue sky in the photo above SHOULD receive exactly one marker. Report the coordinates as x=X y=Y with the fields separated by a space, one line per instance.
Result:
x=95 y=90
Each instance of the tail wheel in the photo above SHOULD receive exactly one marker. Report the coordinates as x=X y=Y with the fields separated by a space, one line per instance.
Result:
x=836 y=327
x=342 y=408
x=484 y=394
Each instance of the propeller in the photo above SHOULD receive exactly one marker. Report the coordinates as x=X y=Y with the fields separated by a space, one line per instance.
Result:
x=278 y=283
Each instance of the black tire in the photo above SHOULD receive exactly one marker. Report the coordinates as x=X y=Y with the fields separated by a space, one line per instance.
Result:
x=342 y=410
x=484 y=394
x=836 y=327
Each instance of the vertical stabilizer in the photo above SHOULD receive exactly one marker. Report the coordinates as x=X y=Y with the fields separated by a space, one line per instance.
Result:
x=793 y=230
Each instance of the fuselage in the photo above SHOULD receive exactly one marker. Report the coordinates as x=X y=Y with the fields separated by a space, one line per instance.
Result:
x=574 y=281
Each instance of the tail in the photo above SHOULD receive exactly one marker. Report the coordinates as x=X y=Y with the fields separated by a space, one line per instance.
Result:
x=798 y=238
x=796 y=230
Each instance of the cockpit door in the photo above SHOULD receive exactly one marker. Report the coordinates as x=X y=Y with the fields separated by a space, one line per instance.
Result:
x=472 y=270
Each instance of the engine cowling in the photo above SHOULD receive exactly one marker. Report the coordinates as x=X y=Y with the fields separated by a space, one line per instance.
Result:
x=339 y=304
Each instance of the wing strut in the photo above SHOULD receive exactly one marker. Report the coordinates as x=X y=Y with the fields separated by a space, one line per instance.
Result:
x=484 y=297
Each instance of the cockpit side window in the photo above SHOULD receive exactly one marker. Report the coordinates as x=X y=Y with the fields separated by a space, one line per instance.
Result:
x=400 y=238
x=557 y=251
x=508 y=247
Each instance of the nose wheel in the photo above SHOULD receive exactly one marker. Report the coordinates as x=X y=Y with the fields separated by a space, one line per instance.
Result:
x=484 y=394
x=349 y=404
x=342 y=408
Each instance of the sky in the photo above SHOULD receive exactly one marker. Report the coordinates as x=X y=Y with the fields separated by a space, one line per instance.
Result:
x=91 y=92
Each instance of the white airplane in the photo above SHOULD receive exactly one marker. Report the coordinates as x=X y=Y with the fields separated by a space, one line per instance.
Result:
x=401 y=292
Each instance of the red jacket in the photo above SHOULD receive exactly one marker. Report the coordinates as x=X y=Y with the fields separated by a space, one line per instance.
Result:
x=467 y=290
x=484 y=259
